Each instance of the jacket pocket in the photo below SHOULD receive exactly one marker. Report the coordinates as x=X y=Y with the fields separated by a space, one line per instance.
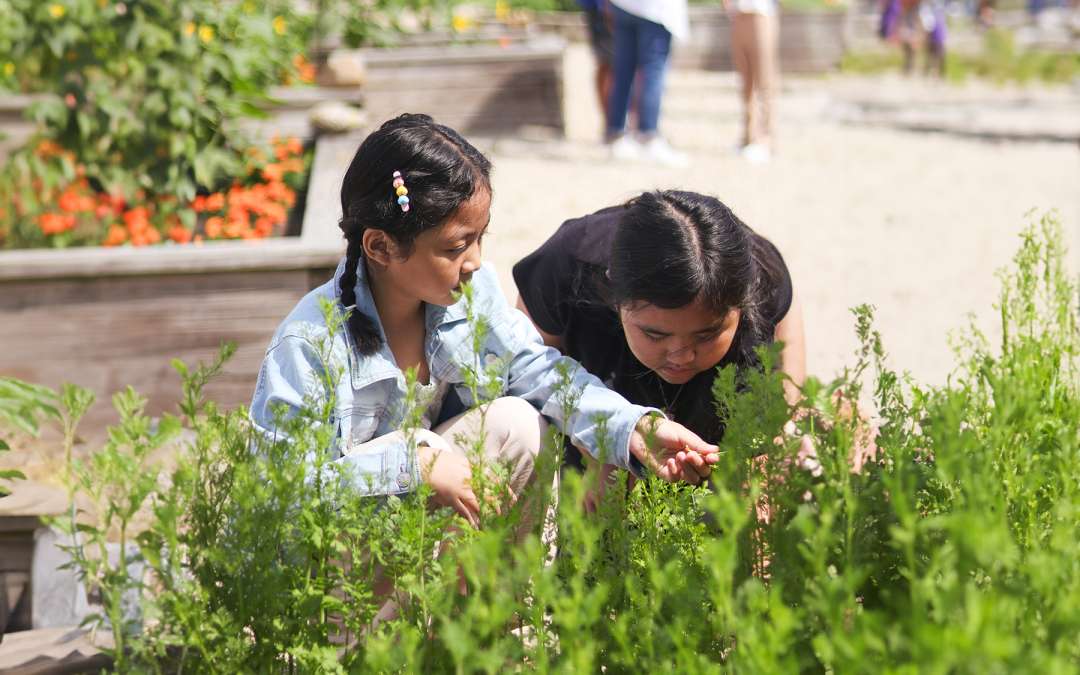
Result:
x=358 y=425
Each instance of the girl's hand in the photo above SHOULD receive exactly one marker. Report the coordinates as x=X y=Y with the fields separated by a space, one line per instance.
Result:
x=672 y=451
x=450 y=476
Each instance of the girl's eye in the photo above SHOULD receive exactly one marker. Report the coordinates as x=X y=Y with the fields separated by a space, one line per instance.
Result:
x=710 y=336
x=653 y=336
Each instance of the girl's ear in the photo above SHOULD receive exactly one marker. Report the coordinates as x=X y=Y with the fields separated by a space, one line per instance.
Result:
x=378 y=246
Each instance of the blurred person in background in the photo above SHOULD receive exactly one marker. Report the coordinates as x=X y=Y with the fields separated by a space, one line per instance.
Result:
x=598 y=19
x=644 y=30
x=755 y=29
x=914 y=25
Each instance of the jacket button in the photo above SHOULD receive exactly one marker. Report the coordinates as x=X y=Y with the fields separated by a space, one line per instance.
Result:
x=404 y=479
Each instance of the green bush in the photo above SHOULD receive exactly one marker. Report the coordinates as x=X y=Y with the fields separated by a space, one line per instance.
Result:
x=953 y=550
x=142 y=99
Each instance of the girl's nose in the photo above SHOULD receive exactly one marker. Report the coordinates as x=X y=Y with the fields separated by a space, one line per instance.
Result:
x=472 y=259
x=681 y=354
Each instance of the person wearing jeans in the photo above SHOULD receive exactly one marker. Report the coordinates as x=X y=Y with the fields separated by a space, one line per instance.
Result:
x=643 y=30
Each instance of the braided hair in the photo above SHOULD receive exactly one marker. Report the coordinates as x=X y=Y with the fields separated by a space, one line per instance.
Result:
x=441 y=170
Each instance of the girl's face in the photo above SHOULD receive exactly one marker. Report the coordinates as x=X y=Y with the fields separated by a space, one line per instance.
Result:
x=445 y=257
x=677 y=344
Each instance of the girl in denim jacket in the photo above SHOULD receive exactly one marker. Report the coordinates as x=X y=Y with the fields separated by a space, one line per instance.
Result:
x=416 y=204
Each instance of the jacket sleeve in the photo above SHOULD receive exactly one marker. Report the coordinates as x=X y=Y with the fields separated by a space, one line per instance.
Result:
x=596 y=419
x=291 y=380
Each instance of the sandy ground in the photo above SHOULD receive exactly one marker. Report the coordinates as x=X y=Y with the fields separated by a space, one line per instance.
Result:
x=913 y=223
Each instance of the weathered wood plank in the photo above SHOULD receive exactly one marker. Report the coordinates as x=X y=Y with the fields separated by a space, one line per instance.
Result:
x=108 y=333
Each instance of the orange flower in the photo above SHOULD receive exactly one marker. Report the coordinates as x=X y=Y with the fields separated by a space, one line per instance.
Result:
x=48 y=149
x=55 y=223
x=215 y=202
x=264 y=227
x=275 y=212
x=72 y=201
x=213 y=227
x=237 y=213
x=199 y=205
x=116 y=236
x=289 y=147
x=273 y=172
x=137 y=219
x=294 y=165
x=235 y=229
x=304 y=69
x=180 y=234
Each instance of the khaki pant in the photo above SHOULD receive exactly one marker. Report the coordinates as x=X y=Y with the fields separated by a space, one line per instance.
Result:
x=514 y=434
x=754 y=40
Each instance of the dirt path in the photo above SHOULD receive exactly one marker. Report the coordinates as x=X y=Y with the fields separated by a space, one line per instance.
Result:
x=913 y=223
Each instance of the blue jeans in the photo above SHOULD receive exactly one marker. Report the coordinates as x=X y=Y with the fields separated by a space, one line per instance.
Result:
x=640 y=46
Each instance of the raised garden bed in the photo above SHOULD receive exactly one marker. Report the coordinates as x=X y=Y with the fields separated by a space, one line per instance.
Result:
x=492 y=86
x=107 y=318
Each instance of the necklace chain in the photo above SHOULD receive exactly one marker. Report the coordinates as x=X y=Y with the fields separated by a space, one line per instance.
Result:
x=669 y=408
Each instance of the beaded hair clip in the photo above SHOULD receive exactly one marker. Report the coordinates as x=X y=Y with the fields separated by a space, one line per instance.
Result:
x=401 y=191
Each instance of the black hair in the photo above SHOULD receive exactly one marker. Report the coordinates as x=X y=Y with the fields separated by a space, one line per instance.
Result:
x=673 y=247
x=441 y=171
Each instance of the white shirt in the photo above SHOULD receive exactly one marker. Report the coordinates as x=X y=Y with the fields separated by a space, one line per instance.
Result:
x=765 y=7
x=670 y=14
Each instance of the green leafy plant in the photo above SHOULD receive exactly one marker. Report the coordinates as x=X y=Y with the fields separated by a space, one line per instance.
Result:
x=22 y=408
x=138 y=106
x=950 y=549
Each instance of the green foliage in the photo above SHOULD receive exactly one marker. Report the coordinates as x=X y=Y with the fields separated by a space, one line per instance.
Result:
x=953 y=549
x=145 y=94
x=22 y=407
x=1000 y=61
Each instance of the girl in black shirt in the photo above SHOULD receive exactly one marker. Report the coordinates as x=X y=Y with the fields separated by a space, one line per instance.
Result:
x=654 y=295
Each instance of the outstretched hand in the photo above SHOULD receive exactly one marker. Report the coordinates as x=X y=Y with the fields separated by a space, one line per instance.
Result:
x=672 y=451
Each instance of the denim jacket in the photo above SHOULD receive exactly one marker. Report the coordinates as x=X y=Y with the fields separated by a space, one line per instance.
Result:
x=376 y=457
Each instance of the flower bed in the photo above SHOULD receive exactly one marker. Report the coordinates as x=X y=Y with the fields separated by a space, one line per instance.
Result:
x=104 y=317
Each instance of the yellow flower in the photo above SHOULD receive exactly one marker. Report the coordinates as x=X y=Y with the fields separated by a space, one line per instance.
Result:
x=57 y=11
x=189 y=28
x=279 y=25
x=206 y=33
x=502 y=9
x=9 y=68
x=461 y=23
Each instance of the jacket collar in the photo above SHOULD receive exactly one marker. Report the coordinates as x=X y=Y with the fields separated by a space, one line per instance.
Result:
x=381 y=364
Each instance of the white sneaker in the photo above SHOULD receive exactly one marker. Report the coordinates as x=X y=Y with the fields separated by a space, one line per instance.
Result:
x=656 y=149
x=626 y=149
x=756 y=153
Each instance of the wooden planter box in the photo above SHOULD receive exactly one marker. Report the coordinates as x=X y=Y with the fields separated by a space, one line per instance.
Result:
x=810 y=42
x=487 y=87
x=108 y=318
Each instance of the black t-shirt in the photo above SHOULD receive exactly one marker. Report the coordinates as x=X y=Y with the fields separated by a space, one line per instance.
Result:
x=561 y=285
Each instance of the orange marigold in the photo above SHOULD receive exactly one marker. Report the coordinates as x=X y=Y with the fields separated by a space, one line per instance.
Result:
x=213 y=227
x=137 y=219
x=55 y=223
x=273 y=172
x=180 y=234
x=116 y=236
x=215 y=202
